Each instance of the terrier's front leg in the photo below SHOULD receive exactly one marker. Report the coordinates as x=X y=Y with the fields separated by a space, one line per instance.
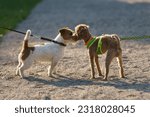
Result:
x=21 y=73
x=51 y=68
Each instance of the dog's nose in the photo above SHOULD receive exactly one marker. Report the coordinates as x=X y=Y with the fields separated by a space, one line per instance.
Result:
x=74 y=34
x=75 y=37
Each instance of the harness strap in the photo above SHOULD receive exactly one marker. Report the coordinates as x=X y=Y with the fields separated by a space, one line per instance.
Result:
x=99 y=47
x=91 y=41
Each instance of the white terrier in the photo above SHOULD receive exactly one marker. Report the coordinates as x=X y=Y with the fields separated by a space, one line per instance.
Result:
x=49 y=52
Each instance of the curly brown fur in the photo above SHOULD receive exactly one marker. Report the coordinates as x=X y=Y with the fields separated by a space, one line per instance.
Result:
x=110 y=44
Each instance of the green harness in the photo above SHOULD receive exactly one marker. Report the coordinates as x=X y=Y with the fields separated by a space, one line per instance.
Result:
x=99 y=47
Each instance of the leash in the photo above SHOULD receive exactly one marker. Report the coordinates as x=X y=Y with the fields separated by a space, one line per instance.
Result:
x=62 y=44
x=43 y=38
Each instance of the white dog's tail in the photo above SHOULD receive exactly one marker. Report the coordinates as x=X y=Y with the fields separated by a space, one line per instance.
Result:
x=27 y=36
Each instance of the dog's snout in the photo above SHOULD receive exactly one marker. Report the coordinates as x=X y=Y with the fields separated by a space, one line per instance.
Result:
x=75 y=37
x=74 y=34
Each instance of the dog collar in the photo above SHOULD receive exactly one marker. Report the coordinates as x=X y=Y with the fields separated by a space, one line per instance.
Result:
x=90 y=42
x=99 y=47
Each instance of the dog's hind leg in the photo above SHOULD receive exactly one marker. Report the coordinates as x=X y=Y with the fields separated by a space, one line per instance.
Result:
x=24 y=65
x=17 y=70
x=109 y=58
x=119 y=59
x=21 y=69
x=51 y=68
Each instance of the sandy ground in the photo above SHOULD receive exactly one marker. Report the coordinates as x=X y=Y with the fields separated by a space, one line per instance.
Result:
x=72 y=80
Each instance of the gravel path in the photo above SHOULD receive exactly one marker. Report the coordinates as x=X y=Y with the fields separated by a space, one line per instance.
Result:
x=124 y=17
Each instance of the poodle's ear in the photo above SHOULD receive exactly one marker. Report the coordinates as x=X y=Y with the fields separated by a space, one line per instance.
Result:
x=87 y=26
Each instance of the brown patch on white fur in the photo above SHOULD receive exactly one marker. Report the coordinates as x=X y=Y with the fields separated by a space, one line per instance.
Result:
x=25 y=51
x=67 y=33
x=49 y=52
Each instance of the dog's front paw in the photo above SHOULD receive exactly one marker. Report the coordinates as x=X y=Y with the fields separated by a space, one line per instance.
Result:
x=105 y=79
x=122 y=76
x=51 y=75
x=21 y=77
x=101 y=75
x=17 y=72
x=55 y=72
x=92 y=77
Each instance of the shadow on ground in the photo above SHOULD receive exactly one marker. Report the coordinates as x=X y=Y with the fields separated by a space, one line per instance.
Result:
x=67 y=82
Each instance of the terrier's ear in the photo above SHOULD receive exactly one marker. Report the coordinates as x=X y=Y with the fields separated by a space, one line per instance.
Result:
x=62 y=30
x=87 y=26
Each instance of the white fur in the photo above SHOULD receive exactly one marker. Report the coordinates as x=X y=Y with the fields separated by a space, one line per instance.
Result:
x=27 y=36
x=49 y=52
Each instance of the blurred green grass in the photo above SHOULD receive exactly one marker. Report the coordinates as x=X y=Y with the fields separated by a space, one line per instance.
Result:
x=13 y=12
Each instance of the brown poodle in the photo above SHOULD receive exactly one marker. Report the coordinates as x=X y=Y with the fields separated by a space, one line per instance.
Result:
x=100 y=45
